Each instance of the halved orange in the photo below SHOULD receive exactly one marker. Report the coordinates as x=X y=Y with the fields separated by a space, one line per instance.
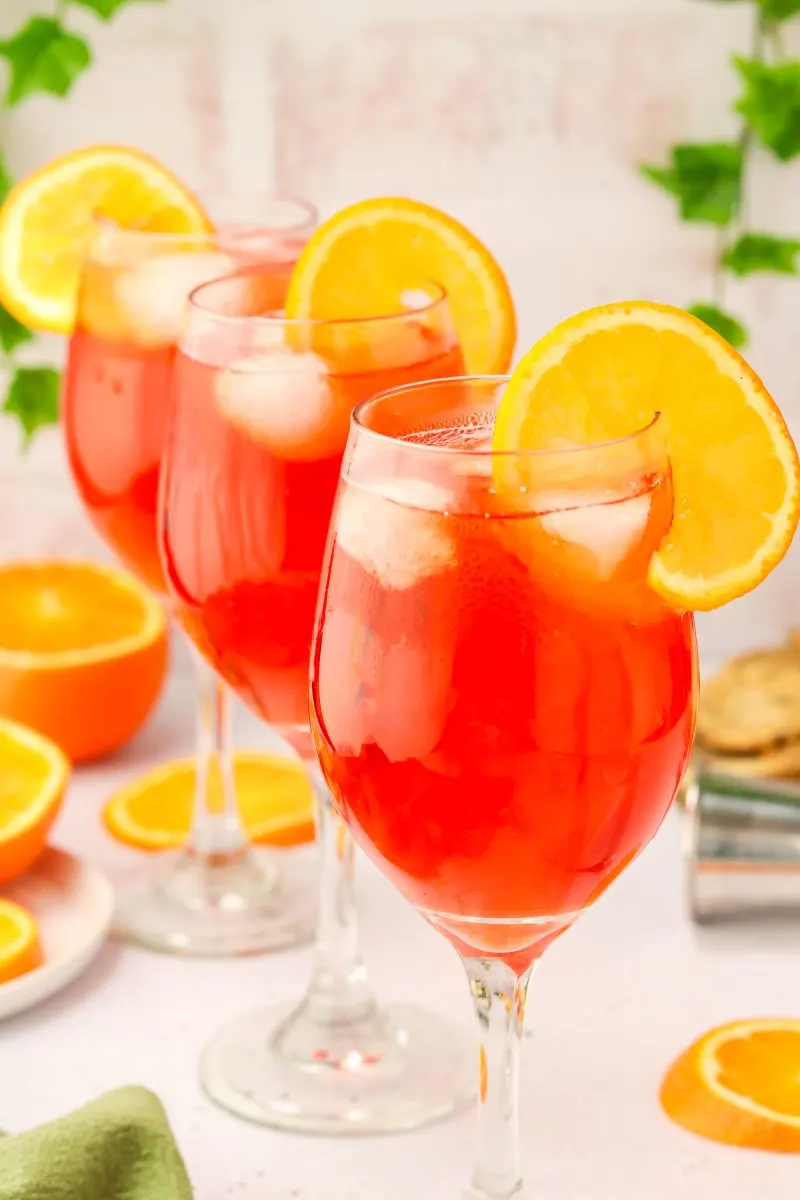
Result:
x=740 y=1084
x=83 y=653
x=365 y=259
x=33 y=776
x=274 y=796
x=604 y=373
x=46 y=223
x=20 y=948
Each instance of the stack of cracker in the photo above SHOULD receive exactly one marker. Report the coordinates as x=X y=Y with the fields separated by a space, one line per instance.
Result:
x=749 y=718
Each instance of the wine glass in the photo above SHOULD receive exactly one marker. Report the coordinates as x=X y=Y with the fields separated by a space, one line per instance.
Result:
x=260 y=417
x=501 y=707
x=218 y=896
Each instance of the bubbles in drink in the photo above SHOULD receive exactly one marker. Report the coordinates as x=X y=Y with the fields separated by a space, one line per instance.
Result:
x=150 y=300
x=286 y=402
x=472 y=433
x=398 y=532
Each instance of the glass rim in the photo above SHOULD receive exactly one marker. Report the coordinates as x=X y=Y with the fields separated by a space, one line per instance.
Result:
x=276 y=319
x=307 y=219
x=357 y=424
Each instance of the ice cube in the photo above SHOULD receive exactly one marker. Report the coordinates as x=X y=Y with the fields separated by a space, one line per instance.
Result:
x=398 y=345
x=285 y=402
x=151 y=298
x=609 y=532
x=268 y=337
x=397 y=533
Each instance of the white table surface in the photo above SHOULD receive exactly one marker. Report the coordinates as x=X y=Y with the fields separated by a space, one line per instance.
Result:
x=612 y=1003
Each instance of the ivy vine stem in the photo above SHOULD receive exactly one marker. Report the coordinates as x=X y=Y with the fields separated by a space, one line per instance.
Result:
x=709 y=179
x=740 y=219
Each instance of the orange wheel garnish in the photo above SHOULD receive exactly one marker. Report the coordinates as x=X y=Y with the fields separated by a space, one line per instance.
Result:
x=83 y=653
x=735 y=472
x=363 y=260
x=47 y=219
x=274 y=797
x=20 y=949
x=740 y=1084
x=33 y=776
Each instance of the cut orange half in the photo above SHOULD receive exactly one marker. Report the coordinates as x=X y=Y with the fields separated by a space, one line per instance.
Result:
x=735 y=472
x=274 y=796
x=33 y=776
x=83 y=653
x=365 y=260
x=20 y=949
x=740 y=1084
x=47 y=219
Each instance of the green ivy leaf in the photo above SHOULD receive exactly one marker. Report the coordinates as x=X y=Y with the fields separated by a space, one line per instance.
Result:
x=762 y=252
x=726 y=325
x=771 y=103
x=106 y=9
x=43 y=57
x=779 y=10
x=6 y=178
x=32 y=398
x=12 y=332
x=706 y=179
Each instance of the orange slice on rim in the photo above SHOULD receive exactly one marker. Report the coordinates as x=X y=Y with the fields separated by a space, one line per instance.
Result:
x=275 y=800
x=364 y=260
x=735 y=471
x=33 y=776
x=740 y=1084
x=20 y=949
x=46 y=222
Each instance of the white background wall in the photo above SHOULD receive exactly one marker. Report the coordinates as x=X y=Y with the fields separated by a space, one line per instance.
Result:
x=524 y=117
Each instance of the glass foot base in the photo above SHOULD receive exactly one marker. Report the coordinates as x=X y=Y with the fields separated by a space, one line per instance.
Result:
x=259 y=902
x=395 y=1069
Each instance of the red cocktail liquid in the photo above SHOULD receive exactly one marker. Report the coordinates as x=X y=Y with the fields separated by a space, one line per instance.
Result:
x=117 y=385
x=503 y=710
x=251 y=484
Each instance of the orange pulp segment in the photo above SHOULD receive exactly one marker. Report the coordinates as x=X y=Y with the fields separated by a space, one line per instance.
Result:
x=20 y=949
x=33 y=776
x=83 y=653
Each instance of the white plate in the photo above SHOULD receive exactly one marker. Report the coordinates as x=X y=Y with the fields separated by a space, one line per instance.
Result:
x=73 y=904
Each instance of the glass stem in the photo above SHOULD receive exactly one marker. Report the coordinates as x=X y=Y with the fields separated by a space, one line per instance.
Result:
x=339 y=990
x=217 y=835
x=499 y=997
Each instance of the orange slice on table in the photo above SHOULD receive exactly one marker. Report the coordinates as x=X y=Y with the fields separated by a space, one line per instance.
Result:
x=740 y=1084
x=20 y=949
x=83 y=653
x=604 y=373
x=33 y=776
x=47 y=219
x=362 y=261
x=274 y=796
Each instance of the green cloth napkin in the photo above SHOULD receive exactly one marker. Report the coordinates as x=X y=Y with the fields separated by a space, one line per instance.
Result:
x=119 y=1147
